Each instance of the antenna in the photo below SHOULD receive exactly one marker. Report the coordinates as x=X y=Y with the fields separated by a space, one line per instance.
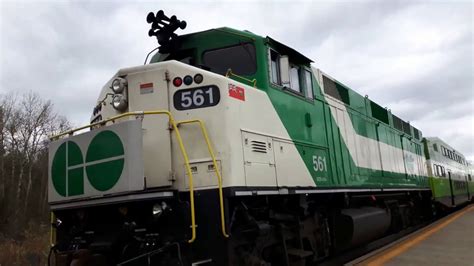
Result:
x=163 y=28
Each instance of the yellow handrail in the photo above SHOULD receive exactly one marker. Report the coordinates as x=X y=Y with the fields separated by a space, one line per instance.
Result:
x=230 y=73
x=52 y=232
x=181 y=147
x=214 y=162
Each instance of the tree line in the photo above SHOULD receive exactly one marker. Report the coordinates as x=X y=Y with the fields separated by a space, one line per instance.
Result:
x=26 y=122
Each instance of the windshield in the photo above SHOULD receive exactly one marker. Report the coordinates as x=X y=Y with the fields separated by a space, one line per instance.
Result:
x=184 y=56
x=239 y=58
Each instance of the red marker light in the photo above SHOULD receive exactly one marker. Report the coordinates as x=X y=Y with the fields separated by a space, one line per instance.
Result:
x=177 y=81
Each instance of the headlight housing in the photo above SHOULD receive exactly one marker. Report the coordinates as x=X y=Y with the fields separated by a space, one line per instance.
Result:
x=119 y=85
x=159 y=208
x=119 y=102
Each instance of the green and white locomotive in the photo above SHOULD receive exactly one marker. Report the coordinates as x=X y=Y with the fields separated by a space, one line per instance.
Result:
x=229 y=148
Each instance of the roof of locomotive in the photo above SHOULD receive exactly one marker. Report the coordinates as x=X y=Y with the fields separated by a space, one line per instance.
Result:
x=213 y=33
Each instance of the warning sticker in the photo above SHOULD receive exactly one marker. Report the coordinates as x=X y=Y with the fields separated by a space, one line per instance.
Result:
x=146 y=88
x=236 y=92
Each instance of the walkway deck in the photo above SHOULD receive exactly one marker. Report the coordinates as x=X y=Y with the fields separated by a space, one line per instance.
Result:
x=449 y=241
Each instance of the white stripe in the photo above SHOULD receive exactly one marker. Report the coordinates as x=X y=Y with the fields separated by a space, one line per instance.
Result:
x=309 y=191
x=370 y=153
x=404 y=189
x=262 y=192
x=322 y=191
x=268 y=192
x=243 y=193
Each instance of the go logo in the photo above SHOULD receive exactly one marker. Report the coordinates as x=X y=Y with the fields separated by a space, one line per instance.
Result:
x=103 y=165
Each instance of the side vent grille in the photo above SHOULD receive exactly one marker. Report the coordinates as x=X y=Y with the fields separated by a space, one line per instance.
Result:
x=336 y=90
x=406 y=128
x=379 y=112
x=416 y=133
x=258 y=146
x=397 y=122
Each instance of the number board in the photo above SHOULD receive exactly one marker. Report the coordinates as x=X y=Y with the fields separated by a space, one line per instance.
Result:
x=199 y=97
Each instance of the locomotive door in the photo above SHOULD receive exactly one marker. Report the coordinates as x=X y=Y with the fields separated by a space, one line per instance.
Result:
x=149 y=91
x=467 y=188
x=259 y=160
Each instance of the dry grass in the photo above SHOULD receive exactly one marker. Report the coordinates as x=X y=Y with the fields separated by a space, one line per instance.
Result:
x=30 y=249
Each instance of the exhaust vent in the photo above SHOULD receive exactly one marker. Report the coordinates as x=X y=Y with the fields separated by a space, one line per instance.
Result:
x=258 y=146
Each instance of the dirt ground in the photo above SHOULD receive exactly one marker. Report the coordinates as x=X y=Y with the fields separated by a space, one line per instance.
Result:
x=31 y=247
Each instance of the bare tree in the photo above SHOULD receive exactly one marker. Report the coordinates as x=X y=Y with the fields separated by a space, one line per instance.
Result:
x=9 y=150
x=27 y=122
x=2 y=165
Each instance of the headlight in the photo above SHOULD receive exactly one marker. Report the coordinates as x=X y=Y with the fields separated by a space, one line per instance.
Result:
x=158 y=209
x=58 y=222
x=119 y=102
x=119 y=85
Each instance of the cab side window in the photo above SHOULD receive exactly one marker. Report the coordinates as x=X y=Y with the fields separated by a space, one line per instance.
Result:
x=295 y=78
x=275 y=67
x=300 y=77
x=308 y=84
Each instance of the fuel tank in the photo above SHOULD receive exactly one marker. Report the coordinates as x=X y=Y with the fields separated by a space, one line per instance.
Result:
x=357 y=226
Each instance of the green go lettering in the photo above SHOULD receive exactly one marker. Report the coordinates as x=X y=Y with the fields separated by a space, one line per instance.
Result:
x=104 y=165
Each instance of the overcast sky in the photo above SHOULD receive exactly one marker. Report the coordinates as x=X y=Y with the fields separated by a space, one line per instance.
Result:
x=415 y=58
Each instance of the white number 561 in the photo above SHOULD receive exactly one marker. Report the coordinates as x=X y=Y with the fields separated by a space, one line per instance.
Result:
x=319 y=163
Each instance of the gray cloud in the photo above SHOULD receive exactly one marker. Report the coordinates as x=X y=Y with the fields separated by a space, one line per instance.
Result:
x=416 y=58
